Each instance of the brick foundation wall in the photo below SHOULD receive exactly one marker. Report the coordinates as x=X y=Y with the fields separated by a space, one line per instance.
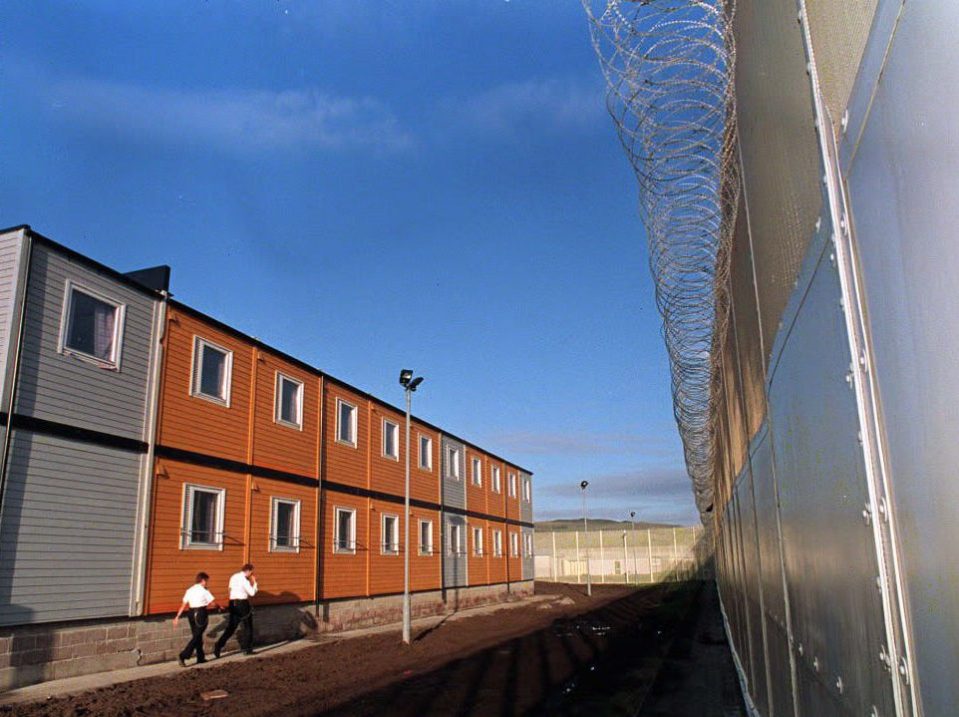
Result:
x=37 y=653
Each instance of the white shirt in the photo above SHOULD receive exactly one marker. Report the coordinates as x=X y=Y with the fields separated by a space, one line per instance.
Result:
x=197 y=596
x=240 y=587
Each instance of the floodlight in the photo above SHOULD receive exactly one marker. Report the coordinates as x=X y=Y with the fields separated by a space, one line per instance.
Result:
x=414 y=383
x=405 y=376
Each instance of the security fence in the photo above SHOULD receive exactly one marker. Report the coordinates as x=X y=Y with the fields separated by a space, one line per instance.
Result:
x=623 y=556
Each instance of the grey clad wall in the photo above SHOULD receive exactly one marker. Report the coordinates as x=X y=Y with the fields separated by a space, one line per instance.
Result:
x=56 y=386
x=11 y=245
x=69 y=513
x=66 y=530
x=525 y=508
x=528 y=560
x=455 y=559
x=454 y=487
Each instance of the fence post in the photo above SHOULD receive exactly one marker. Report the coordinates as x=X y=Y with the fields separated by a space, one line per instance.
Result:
x=602 y=559
x=579 y=572
x=625 y=558
x=635 y=564
x=649 y=549
x=552 y=562
x=675 y=557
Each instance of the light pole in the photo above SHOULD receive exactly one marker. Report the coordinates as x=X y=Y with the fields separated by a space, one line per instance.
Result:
x=589 y=583
x=409 y=385
x=632 y=520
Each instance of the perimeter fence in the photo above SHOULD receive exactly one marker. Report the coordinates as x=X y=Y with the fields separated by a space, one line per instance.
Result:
x=633 y=556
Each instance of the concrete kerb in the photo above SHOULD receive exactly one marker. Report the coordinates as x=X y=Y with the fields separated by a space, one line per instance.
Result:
x=98 y=680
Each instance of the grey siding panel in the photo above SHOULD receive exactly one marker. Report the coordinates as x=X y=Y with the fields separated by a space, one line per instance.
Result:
x=528 y=560
x=454 y=489
x=525 y=509
x=62 y=388
x=66 y=530
x=9 y=252
x=454 y=565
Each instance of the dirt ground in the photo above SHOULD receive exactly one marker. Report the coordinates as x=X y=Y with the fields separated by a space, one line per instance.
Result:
x=571 y=655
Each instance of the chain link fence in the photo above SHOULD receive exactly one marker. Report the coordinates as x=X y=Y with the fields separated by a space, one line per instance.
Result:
x=623 y=556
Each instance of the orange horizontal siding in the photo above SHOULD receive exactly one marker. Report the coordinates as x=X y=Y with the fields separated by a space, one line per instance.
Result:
x=478 y=568
x=477 y=496
x=497 y=565
x=343 y=574
x=346 y=464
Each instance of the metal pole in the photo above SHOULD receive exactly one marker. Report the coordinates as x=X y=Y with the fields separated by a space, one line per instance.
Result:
x=649 y=548
x=553 y=558
x=602 y=559
x=589 y=582
x=407 y=618
x=635 y=563
x=675 y=555
x=579 y=574
x=625 y=557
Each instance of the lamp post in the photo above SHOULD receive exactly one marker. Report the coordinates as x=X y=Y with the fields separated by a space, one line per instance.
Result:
x=589 y=584
x=409 y=385
x=632 y=520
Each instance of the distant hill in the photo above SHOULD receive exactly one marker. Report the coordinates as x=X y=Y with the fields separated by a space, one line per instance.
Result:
x=571 y=524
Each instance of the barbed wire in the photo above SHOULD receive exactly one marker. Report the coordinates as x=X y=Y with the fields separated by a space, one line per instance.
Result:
x=669 y=68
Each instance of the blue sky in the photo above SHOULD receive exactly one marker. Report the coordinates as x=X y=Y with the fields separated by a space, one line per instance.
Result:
x=370 y=186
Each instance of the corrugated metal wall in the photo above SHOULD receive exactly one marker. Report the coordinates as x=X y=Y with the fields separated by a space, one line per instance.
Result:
x=834 y=546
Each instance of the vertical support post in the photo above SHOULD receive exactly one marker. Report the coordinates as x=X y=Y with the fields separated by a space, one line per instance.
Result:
x=649 y=552
x=552 y=559
x=602 y=559
x=625 y=558
x=675 y=556
x=579 y=572
x=407 y=617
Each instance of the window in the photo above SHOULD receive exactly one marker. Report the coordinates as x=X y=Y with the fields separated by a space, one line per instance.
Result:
x=497 y=543
x=391 y=440
x=285 y=526
x=456 y=539
x=528 y=545
x=212 y=366
x=344 y=530
x=494 y=476
x=527 y=490
x=426 y=537
x=477 y=472
x=478 y=542
x=202 y=517
x=512 y=485
x=514 y=544
x=390 y=531
x=91 y=326
x=345 y=422
x=453 y=462
x=289 y=401
x=426 y=453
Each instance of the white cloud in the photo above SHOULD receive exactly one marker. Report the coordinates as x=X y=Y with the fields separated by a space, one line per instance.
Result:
x=516 y=108
x=232 y=119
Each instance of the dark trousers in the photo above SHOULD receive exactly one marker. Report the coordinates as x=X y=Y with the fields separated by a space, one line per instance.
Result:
x=198 y=621
x=240 y=611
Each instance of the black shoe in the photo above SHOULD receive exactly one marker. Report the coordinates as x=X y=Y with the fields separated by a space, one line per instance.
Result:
x=181 y=661
x=201 y=662
x=216 y=651
x=249 y=652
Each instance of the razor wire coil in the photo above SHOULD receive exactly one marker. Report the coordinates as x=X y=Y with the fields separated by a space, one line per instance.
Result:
x=669 y=68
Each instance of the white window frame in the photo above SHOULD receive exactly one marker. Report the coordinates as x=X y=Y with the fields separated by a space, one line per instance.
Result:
x=353 y=422
x=528 y=545
x=426 y=465
x=497 y=543
x=495 y=483
x=396 y=440
x=390 y=548
x=514 y=545
x=477 y=544
x=351 y=550
x=274 y=512
x=186 y=541
x=113 y=362
x=476 y=466
x=512 y=484
x=527 y=490
x=425 y=548
x=277 y=418
x=457 y=549
x=453 y=455
x=196 y=371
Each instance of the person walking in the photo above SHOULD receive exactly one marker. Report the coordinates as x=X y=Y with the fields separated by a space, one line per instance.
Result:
x=242 y=588
x=196 y=599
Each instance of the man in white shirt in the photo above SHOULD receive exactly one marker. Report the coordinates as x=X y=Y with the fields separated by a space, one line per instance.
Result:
x=242 y=588
x=196 y=599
